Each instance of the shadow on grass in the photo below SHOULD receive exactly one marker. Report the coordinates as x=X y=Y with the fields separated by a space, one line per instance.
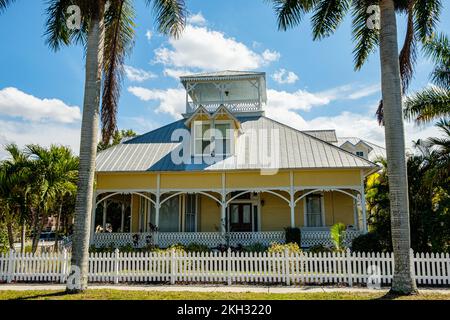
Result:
x=43 y=296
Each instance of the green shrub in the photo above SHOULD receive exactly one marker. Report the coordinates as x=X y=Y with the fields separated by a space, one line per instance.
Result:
x=256 y=247
x=127 y=248
x=195 y=247
x=292 y=248
x=369 y=242
x=293 y=235
x=319 y=248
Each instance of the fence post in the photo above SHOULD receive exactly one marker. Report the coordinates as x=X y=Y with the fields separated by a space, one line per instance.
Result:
x=173 y=267
x=11 y=263
x=229 y=266
x=286 y=268
x=348 y=259
x=116 y=266
x=63 y=266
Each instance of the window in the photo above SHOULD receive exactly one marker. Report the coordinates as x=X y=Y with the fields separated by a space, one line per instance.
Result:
x=314 y=210
x=222 y=138
x=360 y=154
x=169 y=215
x=191 y=213
x=202 y=138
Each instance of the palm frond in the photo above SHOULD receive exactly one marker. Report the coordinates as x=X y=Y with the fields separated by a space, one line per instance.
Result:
x=290 y=12
x=5 y=4
x=119 y=35
x=408 y=54
x=426 y=13
x=438 y=49
x=170 y=16
x=427 y=105
x=366 y=39
x=328 y=15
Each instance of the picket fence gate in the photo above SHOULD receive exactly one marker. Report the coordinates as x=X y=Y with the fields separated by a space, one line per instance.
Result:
x=225 y=267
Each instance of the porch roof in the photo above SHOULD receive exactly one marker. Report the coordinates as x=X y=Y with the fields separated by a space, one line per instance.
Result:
x=151 y=152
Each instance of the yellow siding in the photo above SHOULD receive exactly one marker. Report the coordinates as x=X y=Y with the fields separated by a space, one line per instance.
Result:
x=191 y=181
x=256 y=180
x=124 y=181
x=275 y=214
x=327 y=178
x=209 y=215
x=342 y=209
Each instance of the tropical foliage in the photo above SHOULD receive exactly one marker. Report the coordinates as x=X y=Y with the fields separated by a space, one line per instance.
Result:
x=433 y=102
x=35 y=184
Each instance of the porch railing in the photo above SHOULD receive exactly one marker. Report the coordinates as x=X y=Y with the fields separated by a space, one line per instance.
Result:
x=213 y=239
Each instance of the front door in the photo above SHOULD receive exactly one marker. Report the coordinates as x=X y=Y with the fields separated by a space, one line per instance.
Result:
x=241 y=217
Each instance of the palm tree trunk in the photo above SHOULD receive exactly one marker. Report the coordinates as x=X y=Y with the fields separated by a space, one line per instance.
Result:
x=88 y=153
x=58 y=224
x=403 y=282
x=22 y=239
x=9 y=226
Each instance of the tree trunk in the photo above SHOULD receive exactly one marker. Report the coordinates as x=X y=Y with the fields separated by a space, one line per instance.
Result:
x=403 y=282
x=88 y=153
x=22 y=239
x=9 y=226
x=58 y=224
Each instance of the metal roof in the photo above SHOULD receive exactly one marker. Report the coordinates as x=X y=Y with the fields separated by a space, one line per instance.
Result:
x=325 y=135
x=152 y=152
x=227 y=74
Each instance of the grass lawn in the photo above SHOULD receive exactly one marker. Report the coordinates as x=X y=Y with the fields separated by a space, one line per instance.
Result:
x=154 y=295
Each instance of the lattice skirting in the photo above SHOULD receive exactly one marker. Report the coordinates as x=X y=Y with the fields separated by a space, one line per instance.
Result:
x=214 y=239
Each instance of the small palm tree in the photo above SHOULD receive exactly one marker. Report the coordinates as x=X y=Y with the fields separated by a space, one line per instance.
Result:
x=422 y=18
x=107 y=32
x=338 y=232
x=433 y=102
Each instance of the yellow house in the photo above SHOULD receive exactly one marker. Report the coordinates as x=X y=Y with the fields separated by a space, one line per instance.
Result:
x=226 y=173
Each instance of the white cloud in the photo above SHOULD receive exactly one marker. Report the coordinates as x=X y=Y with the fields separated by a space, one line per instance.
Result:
x=271 y=56
x=16 y=103
x=149 y=35
x=138 y=75
x=177 y=73
x=45 y=134
x=171 y=101
x=205 y=49
x=197 y=19
x=283 y=76
x=298 y=100
x=365 y=92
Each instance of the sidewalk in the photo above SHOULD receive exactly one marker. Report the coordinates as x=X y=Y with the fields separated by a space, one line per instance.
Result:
x=212 y=288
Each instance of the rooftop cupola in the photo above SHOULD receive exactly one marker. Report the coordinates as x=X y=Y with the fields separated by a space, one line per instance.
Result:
x=241 y=92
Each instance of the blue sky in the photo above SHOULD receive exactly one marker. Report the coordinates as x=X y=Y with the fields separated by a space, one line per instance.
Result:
x=311 y=85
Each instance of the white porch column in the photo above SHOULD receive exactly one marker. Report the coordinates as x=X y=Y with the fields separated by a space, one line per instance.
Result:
x=105 y=208
x=122 y=220
x=292 y=199
x=158 y=200
x=363 y=203
x=223 y=212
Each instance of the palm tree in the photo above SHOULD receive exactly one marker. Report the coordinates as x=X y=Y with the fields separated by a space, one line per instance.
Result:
x=107 y=34
x=14 y=190
x=433 y=102
x=422 y=18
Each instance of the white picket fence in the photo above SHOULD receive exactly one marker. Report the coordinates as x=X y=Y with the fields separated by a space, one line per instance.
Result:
x=227 y=267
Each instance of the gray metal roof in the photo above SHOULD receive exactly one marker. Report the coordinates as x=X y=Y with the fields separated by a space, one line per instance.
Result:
x=325 y=135
x=297 y=150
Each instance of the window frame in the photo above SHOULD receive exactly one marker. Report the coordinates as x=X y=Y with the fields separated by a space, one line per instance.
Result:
x=229 y=137
x=212 y=139
x=196 y=138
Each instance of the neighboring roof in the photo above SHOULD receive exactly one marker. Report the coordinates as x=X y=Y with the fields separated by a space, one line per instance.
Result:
x=377 y=151
x=151 y=152
x=227 y=74
x=325 y=135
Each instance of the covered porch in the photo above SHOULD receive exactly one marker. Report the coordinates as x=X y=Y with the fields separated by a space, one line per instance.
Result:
x=226 y=216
